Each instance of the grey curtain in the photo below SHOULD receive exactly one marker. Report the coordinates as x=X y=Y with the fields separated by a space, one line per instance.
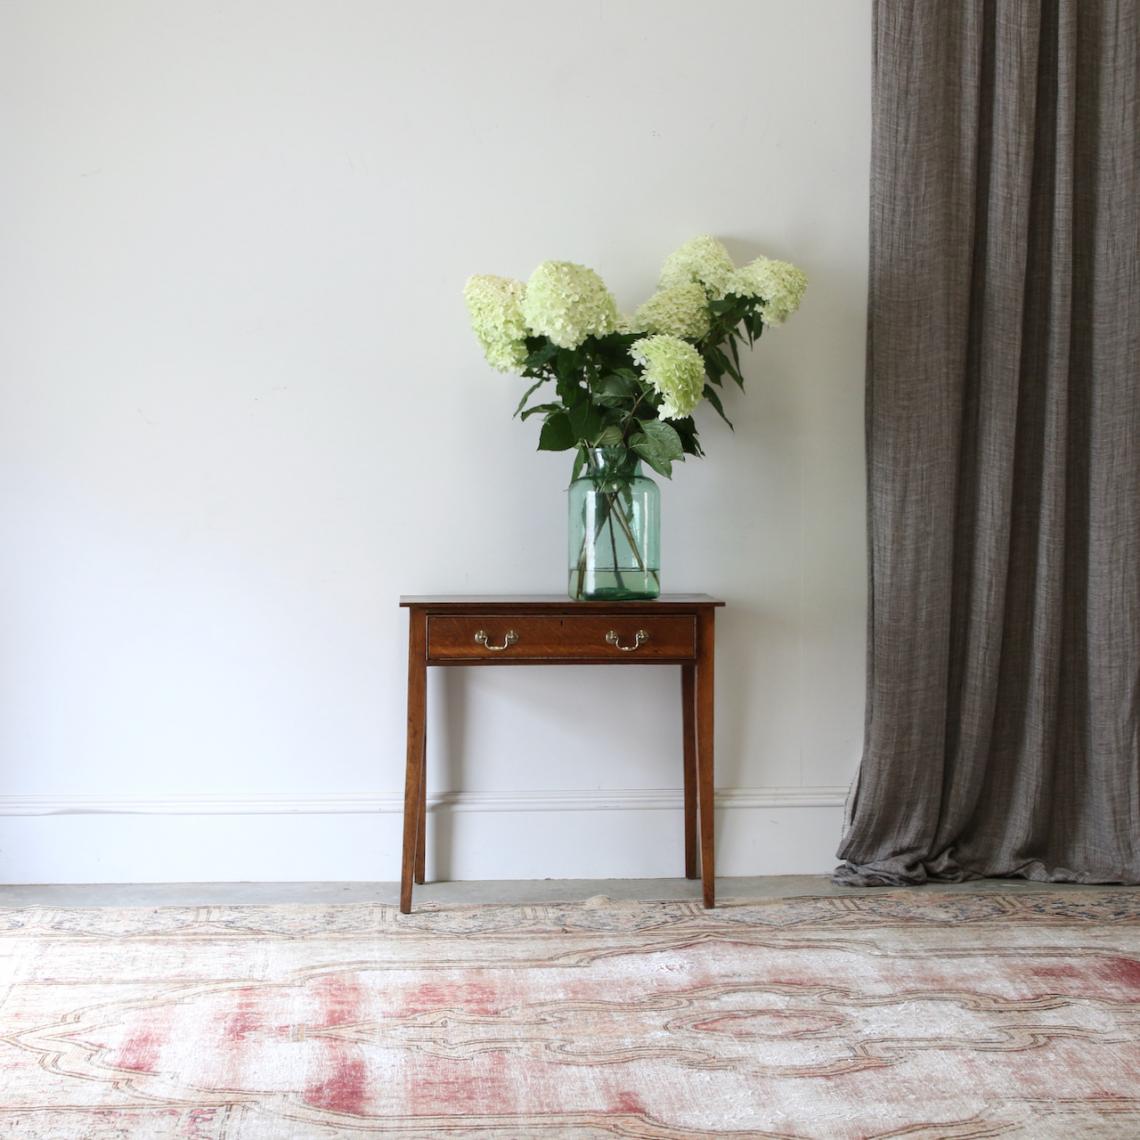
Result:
x=1003 y=446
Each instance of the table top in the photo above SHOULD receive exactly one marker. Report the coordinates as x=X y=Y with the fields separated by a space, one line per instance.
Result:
x=492 y=603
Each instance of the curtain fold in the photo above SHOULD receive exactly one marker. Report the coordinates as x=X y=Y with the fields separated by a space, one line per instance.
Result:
x=1003 y=446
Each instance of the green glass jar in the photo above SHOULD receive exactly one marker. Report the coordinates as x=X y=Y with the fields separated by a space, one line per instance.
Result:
x=615 y=529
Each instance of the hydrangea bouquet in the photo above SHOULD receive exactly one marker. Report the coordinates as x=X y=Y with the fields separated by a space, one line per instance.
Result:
x=629 y=385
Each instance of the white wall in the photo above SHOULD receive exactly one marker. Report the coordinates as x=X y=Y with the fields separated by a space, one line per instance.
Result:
x=242 y=413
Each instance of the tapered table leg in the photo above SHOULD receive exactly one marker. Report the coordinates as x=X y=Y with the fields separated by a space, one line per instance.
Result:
x=689 y=738
x=414 y=772
x=421 y=826
x=705 y=782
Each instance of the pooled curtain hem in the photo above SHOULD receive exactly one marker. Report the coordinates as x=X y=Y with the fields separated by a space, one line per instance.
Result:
x=849 y=874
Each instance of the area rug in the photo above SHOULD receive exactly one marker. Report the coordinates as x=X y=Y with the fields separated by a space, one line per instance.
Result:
x=915 y=1013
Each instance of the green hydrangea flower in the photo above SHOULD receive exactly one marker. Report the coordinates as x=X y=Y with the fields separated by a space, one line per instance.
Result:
x=568 y=303
x=680 y=310
x=778 y=285
x=675 y=370
x=495 y=305
x=702 y=260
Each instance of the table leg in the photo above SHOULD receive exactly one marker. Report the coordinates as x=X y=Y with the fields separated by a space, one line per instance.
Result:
x=414 y=772
x=706 y=645
x=689 y=739
x=421 y=825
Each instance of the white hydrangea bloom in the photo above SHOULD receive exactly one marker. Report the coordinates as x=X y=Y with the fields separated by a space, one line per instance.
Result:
x=495 y=305
x=680 y=310
x=567 y=303
x=702 y=260
x=675 y=370
x=778 y=285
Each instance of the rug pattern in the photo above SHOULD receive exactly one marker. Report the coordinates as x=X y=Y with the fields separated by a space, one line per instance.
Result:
x=900 y=1013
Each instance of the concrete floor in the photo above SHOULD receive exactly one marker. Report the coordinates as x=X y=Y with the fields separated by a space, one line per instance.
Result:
x=456 y=893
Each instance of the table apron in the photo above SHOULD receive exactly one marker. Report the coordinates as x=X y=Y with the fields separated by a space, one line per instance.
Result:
x=586 y=639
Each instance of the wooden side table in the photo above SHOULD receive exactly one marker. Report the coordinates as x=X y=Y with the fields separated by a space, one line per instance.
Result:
x=551 y=630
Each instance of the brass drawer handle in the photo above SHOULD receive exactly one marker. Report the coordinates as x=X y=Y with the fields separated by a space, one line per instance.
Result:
x=510 y=639
x=613 y=639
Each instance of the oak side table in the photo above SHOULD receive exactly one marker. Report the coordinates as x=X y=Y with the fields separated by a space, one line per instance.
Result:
x=675 y=629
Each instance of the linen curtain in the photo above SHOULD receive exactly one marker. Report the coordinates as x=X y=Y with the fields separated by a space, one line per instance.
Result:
x=1003 y=446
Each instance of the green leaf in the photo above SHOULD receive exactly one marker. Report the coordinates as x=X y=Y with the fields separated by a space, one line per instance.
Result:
x=579 y=463
x=556 y=434
x=687 y=430
x=652 y=456
x=610 y=436
x=725 y=365
x=540 y=408
x=566 y=363
x=754 y=323
x=529 y=392
x=712 y=364
x=615 y=390
x=570 y=391
x=656 y=448
x=612 y=402
x=664 y=438
x=714 y=399
x=541 y=355
x=735 y=351
x=585 y=422
x=618 y=385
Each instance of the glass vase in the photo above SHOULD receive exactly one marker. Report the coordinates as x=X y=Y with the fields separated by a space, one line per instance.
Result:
x=615 y=529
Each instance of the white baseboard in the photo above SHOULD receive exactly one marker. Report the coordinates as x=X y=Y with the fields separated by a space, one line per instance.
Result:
x=546 y=799
x=551 y=834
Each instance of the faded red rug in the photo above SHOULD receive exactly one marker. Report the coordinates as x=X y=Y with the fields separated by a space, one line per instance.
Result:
x=903 y=1013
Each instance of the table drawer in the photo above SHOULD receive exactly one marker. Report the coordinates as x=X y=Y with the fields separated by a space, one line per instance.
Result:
x=503 y=638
